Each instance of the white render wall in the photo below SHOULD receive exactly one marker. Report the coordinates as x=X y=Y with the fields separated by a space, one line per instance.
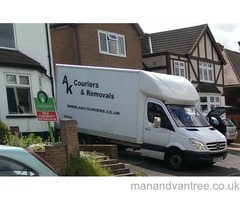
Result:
x=32 y=41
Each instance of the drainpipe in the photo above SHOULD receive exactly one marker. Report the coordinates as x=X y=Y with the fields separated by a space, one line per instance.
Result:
x=150 y=44
x=49 y=58
x=75 y=38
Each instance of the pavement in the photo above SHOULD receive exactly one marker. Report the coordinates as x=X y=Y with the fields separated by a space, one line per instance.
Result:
x=235 y=146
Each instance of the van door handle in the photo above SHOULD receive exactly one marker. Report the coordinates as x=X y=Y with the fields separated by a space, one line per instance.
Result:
x=148 y=129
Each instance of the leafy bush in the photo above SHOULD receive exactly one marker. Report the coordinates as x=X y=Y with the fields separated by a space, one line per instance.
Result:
x=31 y=141
x=14 y=140
x=3 y=132
x=85 y=165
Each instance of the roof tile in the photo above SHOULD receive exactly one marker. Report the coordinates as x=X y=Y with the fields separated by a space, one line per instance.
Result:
x=14 y=58
x=176 y=41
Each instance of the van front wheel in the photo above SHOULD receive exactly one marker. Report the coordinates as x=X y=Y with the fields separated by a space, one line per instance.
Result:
x=175 y=160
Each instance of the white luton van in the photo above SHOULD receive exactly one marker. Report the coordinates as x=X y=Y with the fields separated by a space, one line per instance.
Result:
x=153 y=112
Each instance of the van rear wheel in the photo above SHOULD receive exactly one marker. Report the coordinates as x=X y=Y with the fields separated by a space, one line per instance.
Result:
x=175 y=160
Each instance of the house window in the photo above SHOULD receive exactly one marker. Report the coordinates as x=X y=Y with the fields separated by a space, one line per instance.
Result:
x=18 y=94
x=111 y=43
x=179 y=68
x=7 y=36
x=206 y=72
x=207 y=103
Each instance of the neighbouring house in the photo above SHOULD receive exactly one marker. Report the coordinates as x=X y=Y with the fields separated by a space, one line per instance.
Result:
x=231 y=76
x=191 y=52
x=25 y=69
x=232 y=81
x=96 y=44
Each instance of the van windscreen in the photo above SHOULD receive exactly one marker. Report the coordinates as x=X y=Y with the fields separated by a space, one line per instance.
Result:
x=187 y=116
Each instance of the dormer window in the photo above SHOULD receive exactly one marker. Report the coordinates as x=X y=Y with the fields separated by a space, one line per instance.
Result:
x=111 y=43
x=7 y=36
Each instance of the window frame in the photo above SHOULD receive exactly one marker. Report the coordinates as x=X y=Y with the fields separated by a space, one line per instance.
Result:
x=118 y=42
x=207 y=68
x=14 y=38
x=177 y=66
x=211 y=101
x=15 y=87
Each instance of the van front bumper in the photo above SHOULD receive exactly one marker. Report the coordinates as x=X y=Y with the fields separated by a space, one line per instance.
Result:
x=204 y=157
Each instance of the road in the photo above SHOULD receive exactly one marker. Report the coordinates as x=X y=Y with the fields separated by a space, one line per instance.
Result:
x=151 y=167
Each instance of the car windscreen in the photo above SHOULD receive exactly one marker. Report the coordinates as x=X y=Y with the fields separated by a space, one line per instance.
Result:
x=228 y=122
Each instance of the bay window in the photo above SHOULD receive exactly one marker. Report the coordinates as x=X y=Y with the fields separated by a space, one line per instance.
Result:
x=208 y=102
x=18 y=90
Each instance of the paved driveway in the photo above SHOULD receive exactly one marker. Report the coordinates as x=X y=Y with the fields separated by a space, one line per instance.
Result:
x=152 y=167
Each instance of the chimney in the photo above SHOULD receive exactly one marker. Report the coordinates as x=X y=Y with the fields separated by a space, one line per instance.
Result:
x=220 y=47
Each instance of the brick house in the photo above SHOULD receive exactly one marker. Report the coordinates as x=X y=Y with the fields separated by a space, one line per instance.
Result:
x=108 y=45
x=231 y=76
x=191 y=52
x=232 y=83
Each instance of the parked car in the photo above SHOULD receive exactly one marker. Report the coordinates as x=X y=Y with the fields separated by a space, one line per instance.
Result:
x=17 y=161
x=217 y=118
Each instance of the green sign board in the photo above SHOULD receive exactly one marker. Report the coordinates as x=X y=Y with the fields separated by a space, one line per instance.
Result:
x=45 y=107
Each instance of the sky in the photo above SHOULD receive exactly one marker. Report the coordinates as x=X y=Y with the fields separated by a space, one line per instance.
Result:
x=151 y=15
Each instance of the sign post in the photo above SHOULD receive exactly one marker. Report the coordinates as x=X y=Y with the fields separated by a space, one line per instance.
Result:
x=45 y=108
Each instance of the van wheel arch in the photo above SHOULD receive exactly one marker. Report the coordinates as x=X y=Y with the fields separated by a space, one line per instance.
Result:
x=175 y=159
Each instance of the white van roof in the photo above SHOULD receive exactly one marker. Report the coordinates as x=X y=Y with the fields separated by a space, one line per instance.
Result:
x=169 y=88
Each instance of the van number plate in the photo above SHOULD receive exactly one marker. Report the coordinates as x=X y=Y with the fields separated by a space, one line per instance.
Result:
x=217 y=159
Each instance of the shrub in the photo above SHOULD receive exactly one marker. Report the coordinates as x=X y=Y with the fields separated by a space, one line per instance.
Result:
x=4 y=132
x=31 y=141
x=14 y=140
x=85 y=165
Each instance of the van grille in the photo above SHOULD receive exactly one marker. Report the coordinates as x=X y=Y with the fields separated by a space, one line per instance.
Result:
x=216 y=146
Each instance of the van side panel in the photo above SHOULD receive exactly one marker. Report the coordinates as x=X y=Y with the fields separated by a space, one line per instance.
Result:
x=104 y=102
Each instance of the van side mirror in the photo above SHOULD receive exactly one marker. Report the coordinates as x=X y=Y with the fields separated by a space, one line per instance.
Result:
x=157 y=122
x=213 y=121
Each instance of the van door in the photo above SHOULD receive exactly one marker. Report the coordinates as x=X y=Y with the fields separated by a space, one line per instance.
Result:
x=155 y=138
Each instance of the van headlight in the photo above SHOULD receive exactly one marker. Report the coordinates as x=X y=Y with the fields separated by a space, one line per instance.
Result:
x=198 y=145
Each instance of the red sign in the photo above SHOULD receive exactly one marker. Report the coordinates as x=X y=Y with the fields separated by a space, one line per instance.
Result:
x=46 y=116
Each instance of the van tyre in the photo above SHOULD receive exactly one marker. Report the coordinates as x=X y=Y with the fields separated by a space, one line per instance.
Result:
x=175 y=160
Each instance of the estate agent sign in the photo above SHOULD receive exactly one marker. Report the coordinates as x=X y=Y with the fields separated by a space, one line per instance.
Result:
x=45 y=107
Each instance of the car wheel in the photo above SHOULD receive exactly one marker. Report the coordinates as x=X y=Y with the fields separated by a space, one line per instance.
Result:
x=175 y=160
